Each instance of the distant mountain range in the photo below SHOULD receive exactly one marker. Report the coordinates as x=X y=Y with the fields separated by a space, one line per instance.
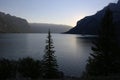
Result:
x=44 y=27
x=92 y=24
x=13 y=24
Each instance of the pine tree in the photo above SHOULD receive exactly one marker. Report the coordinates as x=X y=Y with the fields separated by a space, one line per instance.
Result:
x=105 y=59
x=50 y=66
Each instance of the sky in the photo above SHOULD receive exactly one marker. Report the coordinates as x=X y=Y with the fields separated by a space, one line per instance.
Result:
x=66 y=12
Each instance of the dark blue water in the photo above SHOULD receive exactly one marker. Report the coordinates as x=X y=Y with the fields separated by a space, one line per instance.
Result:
x=72 y=51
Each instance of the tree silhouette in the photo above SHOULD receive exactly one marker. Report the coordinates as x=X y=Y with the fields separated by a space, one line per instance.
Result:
x=30 y=68
x=7 y=69
x=105 y=59
x=50 y=66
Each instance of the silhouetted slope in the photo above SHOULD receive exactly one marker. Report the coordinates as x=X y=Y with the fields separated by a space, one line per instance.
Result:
x=91 y=24
x=10 y=23
x=44 y=27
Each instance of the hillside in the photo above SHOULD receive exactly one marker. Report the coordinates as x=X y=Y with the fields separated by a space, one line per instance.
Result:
x=92 y=24
x=12 y=24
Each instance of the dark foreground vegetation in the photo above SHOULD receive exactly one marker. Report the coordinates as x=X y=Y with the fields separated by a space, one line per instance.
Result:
x=26 y=68
x=104 y=62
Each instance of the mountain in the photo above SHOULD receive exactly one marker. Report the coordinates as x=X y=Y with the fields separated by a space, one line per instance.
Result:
x=44 y=27
x=12 y=24
x=92 y=24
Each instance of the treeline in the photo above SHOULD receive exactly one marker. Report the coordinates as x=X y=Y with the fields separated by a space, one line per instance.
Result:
x=25 y=68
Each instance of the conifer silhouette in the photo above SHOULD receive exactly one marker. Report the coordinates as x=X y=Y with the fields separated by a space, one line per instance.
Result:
x=105 y=59
x=50 y=66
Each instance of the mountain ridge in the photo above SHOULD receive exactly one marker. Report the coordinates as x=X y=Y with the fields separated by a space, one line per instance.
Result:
x=92 y=24
x=12 y=24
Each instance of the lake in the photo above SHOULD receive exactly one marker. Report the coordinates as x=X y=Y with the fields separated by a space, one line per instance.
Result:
x=72 y=51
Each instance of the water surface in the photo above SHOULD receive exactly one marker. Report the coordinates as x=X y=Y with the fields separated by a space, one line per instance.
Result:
x=72 y=51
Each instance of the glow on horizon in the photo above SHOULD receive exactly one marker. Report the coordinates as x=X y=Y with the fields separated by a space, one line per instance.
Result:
x=66 y=12
x=72 y=22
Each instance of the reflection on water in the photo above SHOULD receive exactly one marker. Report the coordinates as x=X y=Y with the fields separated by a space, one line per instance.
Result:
x=72 y=51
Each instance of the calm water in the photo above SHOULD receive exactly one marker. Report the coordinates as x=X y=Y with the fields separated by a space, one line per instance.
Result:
x=72 y=51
